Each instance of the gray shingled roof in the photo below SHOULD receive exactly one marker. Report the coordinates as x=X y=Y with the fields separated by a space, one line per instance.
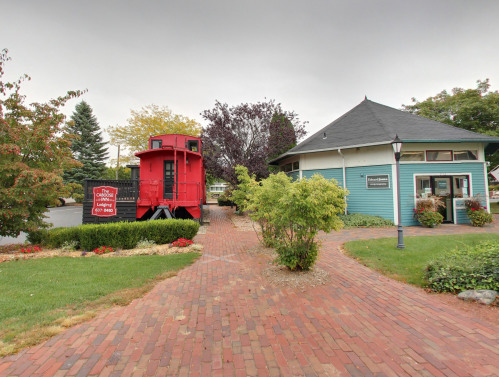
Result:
x=371 y=123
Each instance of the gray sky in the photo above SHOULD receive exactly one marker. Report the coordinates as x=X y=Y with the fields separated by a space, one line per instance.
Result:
x=318 y=58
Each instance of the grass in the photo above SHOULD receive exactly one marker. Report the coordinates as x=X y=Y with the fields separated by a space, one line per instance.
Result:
x=407 y=264
x=41 y=297
x=494 y=207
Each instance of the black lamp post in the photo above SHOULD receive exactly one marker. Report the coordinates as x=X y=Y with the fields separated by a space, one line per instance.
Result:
x=397 y=146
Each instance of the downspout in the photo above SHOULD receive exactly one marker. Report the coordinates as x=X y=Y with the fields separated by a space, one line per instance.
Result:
x=344 y=175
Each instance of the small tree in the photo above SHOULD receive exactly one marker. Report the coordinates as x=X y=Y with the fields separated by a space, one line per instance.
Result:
x=34 y=150
x=87 y=147
x=240 y=135
x=150 y=121
x=291 y=213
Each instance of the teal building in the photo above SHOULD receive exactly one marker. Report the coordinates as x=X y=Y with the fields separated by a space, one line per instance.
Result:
x=436 y=159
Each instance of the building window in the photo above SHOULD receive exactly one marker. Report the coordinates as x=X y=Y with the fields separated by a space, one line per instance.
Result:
x=465 y=155
x=438 y=155
x=412 y=156
x=155 y=144
x=296 y=165
x=193 y=145
x=288 y=167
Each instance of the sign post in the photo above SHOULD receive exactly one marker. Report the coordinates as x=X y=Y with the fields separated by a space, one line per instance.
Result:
x=104 y=201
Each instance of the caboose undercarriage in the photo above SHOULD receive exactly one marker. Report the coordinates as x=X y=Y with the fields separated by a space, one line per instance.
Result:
x=139 y=200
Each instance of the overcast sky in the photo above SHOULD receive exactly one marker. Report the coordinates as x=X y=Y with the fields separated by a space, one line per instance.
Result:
x=318 y=58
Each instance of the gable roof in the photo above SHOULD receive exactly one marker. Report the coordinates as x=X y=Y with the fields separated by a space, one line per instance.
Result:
x=370 y=123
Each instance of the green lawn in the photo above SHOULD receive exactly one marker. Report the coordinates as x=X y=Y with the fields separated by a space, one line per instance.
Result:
x=407 y=264
x=494 y=207
x=39 y=297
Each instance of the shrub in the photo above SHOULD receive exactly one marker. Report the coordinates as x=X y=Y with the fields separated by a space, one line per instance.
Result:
x=38 y=237
x=291 y=213
x=474 y=267
x=353 y=220
x=70 y=245
x=144 y=244
x=428 y=218
x=223 y=202
x=124 y=235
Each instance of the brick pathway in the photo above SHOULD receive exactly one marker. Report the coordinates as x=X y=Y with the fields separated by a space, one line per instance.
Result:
x=220 y=317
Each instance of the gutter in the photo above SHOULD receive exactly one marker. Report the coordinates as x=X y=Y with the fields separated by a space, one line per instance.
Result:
x=344 y=174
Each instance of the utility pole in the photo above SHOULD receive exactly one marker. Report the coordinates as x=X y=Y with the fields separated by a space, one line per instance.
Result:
x=118 y=163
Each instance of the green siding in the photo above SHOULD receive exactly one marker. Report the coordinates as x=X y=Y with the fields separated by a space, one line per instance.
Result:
x=295 y=175
x=377 y=202
x=327 y=173
x=407 y=183
x=462 y=217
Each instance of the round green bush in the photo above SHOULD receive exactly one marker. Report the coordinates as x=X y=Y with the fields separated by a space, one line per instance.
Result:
x=462 y=269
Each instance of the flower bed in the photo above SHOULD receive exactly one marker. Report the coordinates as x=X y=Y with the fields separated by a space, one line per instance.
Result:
x=155 y=250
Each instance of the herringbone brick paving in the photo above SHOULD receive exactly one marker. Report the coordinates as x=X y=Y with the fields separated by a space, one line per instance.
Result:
x=220 y=317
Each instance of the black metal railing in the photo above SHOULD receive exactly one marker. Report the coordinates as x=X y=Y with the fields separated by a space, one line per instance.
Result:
x=153 y=190
x=128 y=189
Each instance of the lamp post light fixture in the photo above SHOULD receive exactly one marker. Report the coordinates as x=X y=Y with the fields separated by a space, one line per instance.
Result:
x=397 y=146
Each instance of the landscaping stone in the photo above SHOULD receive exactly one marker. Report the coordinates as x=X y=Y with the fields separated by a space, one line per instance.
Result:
x=483 y=296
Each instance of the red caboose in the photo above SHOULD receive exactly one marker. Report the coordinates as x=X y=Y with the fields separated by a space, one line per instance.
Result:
x=168 y=182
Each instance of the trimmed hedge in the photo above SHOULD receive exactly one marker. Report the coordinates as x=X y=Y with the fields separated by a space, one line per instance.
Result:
x=471 y=268
x=124 y=235
x=222 y=202
x=354 y=220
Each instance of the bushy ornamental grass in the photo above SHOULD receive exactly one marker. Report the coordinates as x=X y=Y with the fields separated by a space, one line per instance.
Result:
x=463 y=268
x=354 y=220
x=124 y=235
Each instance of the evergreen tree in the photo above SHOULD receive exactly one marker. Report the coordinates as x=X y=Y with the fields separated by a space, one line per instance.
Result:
x=88 y=147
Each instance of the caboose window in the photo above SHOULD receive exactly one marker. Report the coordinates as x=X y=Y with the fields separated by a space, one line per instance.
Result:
x=155 y=144
x=193 y=145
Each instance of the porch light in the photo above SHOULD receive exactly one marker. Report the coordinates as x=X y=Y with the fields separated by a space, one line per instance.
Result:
x=397 y=145
x=187 y=161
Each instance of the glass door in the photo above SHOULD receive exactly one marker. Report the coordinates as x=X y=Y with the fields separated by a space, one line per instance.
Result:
x=443 y=187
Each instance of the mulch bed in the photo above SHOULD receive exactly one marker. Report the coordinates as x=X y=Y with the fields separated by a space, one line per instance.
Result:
x=262 y=250
x=283 y=277
x=154 y=250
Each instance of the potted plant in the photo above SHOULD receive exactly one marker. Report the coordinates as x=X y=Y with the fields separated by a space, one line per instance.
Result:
x=477 y=213
x=426 y=211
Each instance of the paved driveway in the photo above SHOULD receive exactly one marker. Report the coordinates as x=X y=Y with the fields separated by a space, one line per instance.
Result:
x=220 y=317
x=61 y=216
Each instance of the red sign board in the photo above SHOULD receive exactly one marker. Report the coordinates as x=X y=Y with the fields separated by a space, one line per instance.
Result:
x=104 y=201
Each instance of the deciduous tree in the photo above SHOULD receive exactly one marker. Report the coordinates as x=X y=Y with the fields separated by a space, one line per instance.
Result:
x=34 y=150
x=151 y=120
x=474 y=110
x=247 y=135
